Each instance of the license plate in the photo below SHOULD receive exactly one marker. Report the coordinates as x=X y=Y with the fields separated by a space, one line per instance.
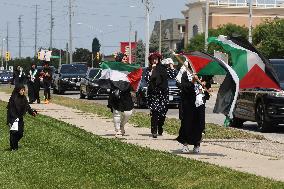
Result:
x=77 y=84
x=171 y=97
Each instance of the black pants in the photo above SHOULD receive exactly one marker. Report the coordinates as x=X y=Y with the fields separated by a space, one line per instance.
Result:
x=157 y=122
x=15 y=137
x=46 y=87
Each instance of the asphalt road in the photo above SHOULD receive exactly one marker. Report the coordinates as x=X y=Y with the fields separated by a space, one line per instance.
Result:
x=276 y=135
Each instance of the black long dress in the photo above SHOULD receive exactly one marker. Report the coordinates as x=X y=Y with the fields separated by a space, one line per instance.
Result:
x=193 y=118
x=16 y=109
x=33 y=85
x=122 y=101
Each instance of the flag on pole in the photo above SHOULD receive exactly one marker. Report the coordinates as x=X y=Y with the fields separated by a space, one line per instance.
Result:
x=120 y=75
x=253 y=69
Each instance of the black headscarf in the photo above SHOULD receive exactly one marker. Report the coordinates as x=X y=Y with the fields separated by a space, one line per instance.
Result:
x=18 y=103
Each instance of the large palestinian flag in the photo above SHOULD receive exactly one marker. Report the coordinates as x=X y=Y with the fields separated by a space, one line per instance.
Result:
x=205 y=64
x=120 y=75
x=253 y=69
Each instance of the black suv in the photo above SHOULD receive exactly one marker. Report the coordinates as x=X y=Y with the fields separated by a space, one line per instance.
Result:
x=264 y=106
x=68 y=77
x=89 y=85
x=141 y=94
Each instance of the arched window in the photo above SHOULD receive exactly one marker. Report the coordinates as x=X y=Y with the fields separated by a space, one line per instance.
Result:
x=194 y=30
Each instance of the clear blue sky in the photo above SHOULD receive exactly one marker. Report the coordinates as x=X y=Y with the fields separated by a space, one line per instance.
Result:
x=106 y=19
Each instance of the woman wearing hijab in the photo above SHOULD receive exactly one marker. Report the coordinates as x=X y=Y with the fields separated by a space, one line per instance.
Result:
x=33 y=84
x=192 y=109
x=16 y=109
x=158 y=93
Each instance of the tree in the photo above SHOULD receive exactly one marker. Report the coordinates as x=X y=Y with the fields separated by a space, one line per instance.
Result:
x=268 y=38
x=140 y=53
x=82 y=55
x=197 y=43
x=96 y=46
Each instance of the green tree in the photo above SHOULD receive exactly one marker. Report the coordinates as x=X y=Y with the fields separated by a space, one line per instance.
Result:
x=82 y=55
x=140 y=53
x=268 y=37
x=197 y=43
x=96 y=46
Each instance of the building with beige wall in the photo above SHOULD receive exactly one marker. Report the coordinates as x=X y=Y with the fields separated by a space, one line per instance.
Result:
x=228 y=11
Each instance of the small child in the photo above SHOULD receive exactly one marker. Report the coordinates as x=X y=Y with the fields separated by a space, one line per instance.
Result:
x=17 y=107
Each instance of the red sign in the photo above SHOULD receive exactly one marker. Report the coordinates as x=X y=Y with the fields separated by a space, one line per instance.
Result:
x=124 y=48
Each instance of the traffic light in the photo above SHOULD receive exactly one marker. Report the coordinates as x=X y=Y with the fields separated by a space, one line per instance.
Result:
x=8 y=56
x=98 y=56
x=38 y=55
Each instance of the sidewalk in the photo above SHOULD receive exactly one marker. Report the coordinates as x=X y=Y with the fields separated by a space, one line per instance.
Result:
x=219 y=152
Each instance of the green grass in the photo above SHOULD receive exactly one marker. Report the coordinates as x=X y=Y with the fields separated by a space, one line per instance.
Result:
x=139 y=119
x=54 y=154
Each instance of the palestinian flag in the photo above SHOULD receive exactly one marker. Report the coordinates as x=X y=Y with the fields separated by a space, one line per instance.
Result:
x=253 y=69
x=205 y=64
x=120 y=75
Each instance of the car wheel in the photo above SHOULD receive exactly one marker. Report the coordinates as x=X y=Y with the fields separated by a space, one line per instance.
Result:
x=89 y=96
x=263 y=125
x=60 y=91
x=82 y=96
x=54 y=90
x=237 y=123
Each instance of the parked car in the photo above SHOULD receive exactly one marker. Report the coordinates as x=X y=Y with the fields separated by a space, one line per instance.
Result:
x=89 y=85
x=264 y=106
x=141 y=94
x=6 y=77
x=68 y=77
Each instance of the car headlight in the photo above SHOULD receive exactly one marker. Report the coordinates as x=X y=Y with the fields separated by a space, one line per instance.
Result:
x=276 y=94
x=65 y=79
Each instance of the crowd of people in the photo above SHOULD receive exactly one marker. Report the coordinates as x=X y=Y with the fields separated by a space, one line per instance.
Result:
x=194 y=92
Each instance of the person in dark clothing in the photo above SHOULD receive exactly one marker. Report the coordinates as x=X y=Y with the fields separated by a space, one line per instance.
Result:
x=16 y=109
x=121 y=104
x=158 y=93
x=33 y=84
x=193 y=112
x=18 y=76
x=46 y=74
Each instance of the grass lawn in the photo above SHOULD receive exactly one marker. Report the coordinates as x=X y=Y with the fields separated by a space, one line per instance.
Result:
x=54 y=154
x=140 y=119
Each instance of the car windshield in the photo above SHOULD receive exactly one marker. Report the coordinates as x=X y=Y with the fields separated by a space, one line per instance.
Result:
x=279 y=68
x=95 y=73
x=74 y=69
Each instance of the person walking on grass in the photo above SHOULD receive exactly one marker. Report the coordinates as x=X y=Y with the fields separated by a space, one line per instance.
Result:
x=16 y=109
x=121 y=103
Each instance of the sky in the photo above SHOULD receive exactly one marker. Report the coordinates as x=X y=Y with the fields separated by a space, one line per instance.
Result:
x=108 y=20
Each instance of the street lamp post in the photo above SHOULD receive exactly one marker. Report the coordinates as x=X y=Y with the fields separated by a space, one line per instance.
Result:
x=2 y=52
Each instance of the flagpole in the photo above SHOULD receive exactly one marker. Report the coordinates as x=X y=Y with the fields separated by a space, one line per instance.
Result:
x=250 y=21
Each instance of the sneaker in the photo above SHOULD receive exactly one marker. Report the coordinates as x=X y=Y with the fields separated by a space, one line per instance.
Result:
x=185 y=149
x=46 y=102
x=196 y=149
x=118 y=133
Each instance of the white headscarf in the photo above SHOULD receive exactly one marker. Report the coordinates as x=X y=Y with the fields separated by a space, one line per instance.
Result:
x=183 y=69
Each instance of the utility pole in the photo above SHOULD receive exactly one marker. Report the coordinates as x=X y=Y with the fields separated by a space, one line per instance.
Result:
x=2 y=52
x=147 y=38
x=7 y=44
x=60 y=58
x=51 y=25
x=250 y=21
x=7 y=37
x=70 y=31
x=130 y=49
x=67 y=50
x=206 y=25
x=20 y=36
x=160 y=36
x=36 y=30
